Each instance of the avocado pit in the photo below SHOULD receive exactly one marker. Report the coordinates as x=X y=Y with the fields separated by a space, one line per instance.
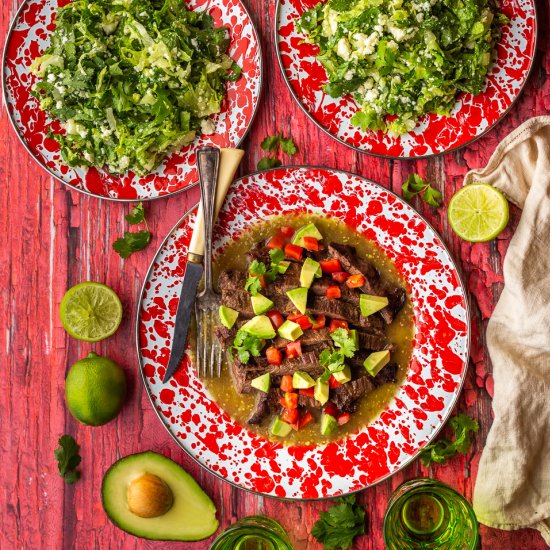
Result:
x=149 y=496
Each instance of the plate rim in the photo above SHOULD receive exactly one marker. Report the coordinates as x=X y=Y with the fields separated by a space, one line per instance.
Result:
x=435 y=433
x=310 y=116
x=22 y=140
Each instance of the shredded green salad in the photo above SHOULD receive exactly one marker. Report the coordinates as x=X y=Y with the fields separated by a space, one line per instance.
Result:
x=131 y=80
x=402 y=59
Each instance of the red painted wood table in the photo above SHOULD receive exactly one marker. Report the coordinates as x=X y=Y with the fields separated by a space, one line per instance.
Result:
x=53 y=238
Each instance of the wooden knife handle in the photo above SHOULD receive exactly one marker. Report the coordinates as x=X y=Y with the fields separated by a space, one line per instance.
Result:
x=229 y=162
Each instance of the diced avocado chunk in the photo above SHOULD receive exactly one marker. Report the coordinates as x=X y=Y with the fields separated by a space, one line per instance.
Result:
x=283 y=266
x=309 y=269
x=328 y=424
x=343 y=376
x=376 y=361
x=302 y=380
x=370 y=304
x=290 y=330
x=260 y=304
x=319 y=272
x=321 y=391
x=228 y=316
x=298 y=296
x=354 y=335
x=259 y=326
x=262 y=382
x=308 y=230
x=280 y=428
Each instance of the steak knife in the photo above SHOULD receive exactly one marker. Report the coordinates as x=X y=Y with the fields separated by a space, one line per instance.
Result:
x=209 y=160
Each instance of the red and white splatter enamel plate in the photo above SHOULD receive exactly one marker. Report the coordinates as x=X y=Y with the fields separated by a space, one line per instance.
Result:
x=423 y=402
x=471 y=117
x=29 y=37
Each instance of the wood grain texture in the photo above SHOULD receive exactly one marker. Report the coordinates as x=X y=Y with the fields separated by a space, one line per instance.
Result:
x=53 y=238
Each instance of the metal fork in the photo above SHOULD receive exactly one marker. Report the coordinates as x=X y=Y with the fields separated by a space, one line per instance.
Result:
x=209 y=351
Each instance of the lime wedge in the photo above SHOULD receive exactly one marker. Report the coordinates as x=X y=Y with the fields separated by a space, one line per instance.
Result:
x=91 y=311
x=478 y=212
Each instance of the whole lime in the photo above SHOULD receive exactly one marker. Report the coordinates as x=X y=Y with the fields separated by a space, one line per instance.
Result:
x=95 y=389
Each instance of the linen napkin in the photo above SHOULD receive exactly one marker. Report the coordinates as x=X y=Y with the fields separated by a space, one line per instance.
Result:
x=513 y=482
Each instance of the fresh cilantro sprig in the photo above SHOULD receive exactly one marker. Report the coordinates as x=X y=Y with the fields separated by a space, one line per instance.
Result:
x=133 y=241
x=334 y=360
x=272 y=144
x=415 y=185
x=340 y=524
x=277 y=256
x=68 y=459
x=256 y=271
x=246 y=344
x=444 y=449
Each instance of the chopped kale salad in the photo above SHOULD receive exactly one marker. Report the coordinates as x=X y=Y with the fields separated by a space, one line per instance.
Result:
x=131 y=80
x=402 y=59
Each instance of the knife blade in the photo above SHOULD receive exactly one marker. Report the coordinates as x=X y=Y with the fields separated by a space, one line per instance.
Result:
x=229 y=162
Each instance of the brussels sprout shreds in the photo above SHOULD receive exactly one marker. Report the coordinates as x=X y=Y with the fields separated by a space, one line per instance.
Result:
x=131 y=80
x=402 y=59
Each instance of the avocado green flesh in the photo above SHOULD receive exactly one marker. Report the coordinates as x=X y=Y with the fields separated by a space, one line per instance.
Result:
x=298 y=296
x=259 y=326
x=191 y=517
x=309 y=230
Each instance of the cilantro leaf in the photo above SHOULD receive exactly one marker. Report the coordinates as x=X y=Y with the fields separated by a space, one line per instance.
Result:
x=444 y=449
x=246 y=344
x=137 y=215
x=276 y=255
x=340 y=524
x=268 y=162
x=132 y=242
x=271 y=143
x=342 y=339
x=288 y=146
x=415 y=185
x=68 y=458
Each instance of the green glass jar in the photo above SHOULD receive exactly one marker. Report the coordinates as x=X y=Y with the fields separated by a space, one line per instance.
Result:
x=253 y=533
x=427 y=514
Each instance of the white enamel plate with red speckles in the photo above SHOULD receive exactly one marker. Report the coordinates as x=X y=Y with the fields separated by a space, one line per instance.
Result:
x=29 y=37
x=423 y=402
x=471 y=117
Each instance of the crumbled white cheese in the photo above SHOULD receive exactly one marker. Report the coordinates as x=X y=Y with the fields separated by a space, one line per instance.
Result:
x=343 y=49
x=207 y=126
x=349 y=75
x=365 y=45
x=398 y=33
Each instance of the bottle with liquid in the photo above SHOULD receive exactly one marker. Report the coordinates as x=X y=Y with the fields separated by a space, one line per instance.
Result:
x=427 y=514
x=253 y=533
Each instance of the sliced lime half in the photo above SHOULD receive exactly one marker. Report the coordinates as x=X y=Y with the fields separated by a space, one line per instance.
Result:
x=91 y=311
x=478 y=212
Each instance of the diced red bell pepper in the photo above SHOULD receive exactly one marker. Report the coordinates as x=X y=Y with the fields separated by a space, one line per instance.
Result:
x=294 y=316
x=343 y=419
x=336 y=324
x=333 y=292
x=305 y=419
x=293 y=251
x=330 y=266
x=277 y=241
x=276 y=318
x=287 y=231
x=311 y=243
x=293 y=350
x=290 y=415
x=289 y=400
x=307 y=391
x=319 y=323
x=355 y=281
x=340 y=276
x=333 y=383
x=286 y=383
x=330 y=408
x=274 y=356
x=304 y=322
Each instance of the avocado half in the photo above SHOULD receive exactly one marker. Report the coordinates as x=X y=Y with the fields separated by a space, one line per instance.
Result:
x=186 y=511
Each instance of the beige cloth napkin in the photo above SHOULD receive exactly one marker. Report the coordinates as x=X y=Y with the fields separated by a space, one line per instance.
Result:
x=513 y=482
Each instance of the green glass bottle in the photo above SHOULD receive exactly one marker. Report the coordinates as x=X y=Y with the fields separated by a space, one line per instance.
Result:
x=253 y=533
x=427 y=514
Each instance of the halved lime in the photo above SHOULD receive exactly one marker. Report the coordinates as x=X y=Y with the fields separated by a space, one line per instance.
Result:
x=478 y=212
x=91 y=311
